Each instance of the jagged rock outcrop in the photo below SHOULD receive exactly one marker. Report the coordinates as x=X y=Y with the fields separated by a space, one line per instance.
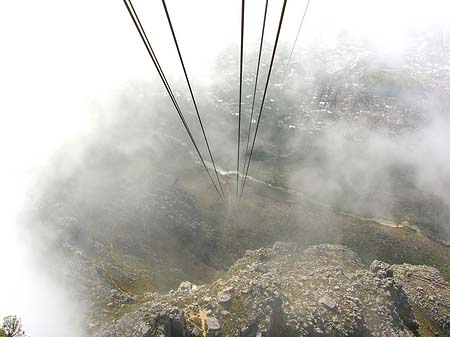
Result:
x=287 y=291
x=429 y=294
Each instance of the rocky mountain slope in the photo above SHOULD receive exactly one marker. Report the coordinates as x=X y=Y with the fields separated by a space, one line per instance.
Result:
x=286 y=290
x=132 y=215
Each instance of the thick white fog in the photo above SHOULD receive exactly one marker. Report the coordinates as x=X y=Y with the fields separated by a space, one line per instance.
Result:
x=64 y=64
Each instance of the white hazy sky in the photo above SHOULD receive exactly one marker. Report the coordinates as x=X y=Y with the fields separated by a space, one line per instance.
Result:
x=59 y=59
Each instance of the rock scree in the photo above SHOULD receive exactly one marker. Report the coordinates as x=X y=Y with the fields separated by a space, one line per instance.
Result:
x=288 y=291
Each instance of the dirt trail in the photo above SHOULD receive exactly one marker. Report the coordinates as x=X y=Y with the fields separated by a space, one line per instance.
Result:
x=383 y=222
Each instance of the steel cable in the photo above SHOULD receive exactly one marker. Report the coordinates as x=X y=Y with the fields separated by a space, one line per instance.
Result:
x=143 y=35
x=264 y=95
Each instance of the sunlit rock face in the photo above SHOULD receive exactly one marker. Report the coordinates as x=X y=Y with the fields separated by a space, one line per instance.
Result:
x=290 y=291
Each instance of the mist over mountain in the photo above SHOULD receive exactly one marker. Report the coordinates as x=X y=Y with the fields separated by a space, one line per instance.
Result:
x=343 y=228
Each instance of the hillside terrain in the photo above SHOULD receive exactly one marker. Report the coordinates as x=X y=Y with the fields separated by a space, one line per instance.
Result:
x=131 y=216
x=286 y=291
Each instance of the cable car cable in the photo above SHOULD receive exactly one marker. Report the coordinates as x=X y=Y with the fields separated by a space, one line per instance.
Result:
x=192 y=94
x=240 y=96
x=256 y=82
x=264 y=95
x=143 y=35
x=295 y=42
